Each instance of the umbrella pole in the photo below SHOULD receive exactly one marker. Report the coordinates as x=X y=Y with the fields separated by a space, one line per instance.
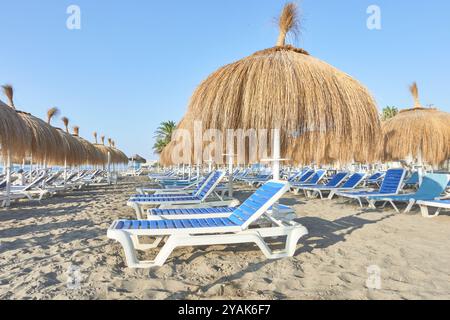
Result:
x=276 y=155
x=109 y=167
x=7 y=202
x=65 y=171
x=420 y=170
x=230 y=175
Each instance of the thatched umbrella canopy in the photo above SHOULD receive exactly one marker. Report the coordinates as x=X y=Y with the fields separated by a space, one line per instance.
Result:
x=418 y=134
x=15 y=136
x=116 y=156
x=74 y=151
x=91 y=154
x=45 y=140
x=310 y=101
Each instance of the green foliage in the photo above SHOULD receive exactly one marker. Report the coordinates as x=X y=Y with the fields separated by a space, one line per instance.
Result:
x=389 y=112
x=163 y=135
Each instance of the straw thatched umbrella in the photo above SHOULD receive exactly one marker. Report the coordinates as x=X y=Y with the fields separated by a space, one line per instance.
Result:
x=15 y=136
x=45 y=140
x=419 y=135
x=312 y=103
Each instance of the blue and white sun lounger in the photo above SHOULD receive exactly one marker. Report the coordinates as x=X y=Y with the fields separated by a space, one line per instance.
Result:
x=376 y=178
x=211 y=231
x=391 y=185
x=438 y=204
x=351 y=184
x=312 y=181
x=432 y=187
x=186 y=189
x=413 y=180
x=314 y=190
x=140 y=202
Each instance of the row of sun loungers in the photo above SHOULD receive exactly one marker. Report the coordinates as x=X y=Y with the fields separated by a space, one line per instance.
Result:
x=192 y=215
x=44 y=183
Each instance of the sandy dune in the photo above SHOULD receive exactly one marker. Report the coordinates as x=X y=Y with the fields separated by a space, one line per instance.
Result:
x=59 y=250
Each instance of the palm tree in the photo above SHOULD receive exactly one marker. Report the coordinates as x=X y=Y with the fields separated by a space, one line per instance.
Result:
x=389 y=112
x=163 y=135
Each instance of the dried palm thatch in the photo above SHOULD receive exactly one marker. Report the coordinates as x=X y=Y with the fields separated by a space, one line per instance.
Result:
x=65 y=121
x=417 y=134
x=15 y=136
x=52 y=112
x=313 y=104
x=9 y=93
x=44 y=139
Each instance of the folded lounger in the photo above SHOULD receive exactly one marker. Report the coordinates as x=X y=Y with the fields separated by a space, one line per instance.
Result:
x=433 y=185
x=211 y=231
x=391 y=185
x=140 y=203
x=438 y=204
x=335 y=182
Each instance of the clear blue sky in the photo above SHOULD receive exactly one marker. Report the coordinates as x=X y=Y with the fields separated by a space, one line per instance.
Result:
x=135 y=63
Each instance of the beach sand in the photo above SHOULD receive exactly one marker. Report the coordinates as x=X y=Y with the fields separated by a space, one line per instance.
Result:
x=59 y=250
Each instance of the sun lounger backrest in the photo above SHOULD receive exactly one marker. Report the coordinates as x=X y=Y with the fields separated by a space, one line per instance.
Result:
x=433 y=185
x=258 y=203
x=201 y=184
x=318 y=175
x=3 y=184
x=211 y=184
x=307 y=175
x=414 y=179
x=375 y=177
x=392 y=181
x=336 y=180
x=354 y=180
x=35 y=182
x=298 y=175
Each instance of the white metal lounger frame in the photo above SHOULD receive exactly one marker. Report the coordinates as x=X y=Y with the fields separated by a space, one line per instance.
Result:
x=424 y=205
x=173 y=238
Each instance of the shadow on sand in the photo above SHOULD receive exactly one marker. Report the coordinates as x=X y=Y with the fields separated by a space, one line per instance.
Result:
x=322 y=234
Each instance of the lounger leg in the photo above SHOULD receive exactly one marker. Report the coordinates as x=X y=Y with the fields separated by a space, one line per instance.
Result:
x=426 y=214
x=125 y=239
x=138 y=210
x=320 y=194
x=372 y=204
x=360 y=203
x=411 y=204
x=144 y=247
x=331 y=195
x=394 y=206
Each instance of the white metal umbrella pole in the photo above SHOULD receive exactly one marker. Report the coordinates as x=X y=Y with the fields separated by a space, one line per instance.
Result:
x=109 y=167
x=210 y=162
x=230 y=156
x=420 y=169
x=7 y=202
x=276 y=155
x=65 y=171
